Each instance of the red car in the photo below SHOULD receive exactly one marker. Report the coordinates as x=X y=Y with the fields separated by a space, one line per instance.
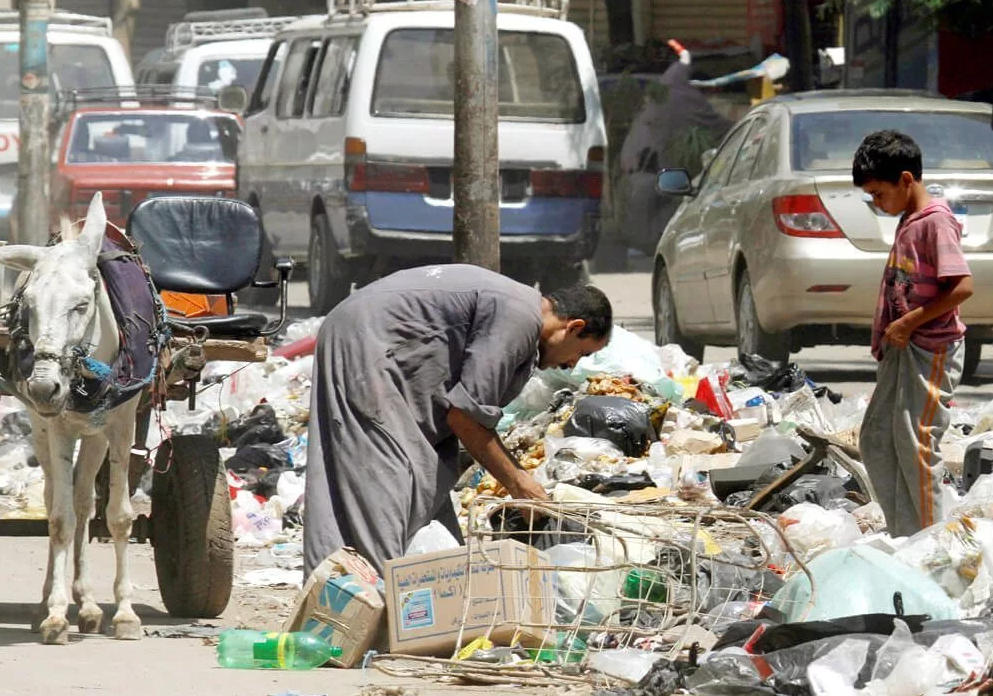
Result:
x=135 y=152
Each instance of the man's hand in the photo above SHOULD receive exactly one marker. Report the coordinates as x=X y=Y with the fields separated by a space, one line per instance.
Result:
x=898 y=333
x=487 y=449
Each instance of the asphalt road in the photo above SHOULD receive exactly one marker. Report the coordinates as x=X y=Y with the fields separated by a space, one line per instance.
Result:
x=159 y=666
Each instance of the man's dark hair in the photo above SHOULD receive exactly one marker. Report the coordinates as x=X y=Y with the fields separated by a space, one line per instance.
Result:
x=584 y=302
x=884 y=156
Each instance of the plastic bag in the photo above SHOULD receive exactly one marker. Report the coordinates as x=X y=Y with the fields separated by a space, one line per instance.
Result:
x=626 y=354
x=596 y=594
x=624 y=422
x=903 y=667
x=812 y=530
x=627 y=663
x=860 y=580
x=835 y=674
x=434 y=537
x=802 y=408
x=535 y=397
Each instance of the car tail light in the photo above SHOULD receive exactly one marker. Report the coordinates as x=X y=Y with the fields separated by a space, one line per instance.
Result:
x=804 y=216
x=560 y=183
x=362 y=175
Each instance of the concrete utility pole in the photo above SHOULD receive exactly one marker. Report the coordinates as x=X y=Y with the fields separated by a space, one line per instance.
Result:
x=477 y=157
x=33 y=168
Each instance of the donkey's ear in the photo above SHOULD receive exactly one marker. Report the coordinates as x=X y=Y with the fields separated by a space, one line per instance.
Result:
x=20 y=257
x=94 y=227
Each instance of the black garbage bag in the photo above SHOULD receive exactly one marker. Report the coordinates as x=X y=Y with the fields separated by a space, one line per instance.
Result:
x=772 y=376
x=259 y=426
x=258 y=456
x=822 y=490
x=664 y=678
x=624 y=422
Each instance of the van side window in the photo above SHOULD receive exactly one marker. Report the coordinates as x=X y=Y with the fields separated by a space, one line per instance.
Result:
x=295 y=83
x=267 y=78
x=331 y=91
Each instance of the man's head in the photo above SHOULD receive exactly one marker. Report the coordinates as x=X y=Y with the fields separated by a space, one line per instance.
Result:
x=576 y=323
x=888 y=167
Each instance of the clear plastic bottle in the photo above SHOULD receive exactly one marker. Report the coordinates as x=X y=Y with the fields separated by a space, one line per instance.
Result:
x=240 y=649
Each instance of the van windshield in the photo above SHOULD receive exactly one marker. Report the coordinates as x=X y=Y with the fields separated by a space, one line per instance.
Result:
x=223 y=72
x=538 y=76
x=74 y=66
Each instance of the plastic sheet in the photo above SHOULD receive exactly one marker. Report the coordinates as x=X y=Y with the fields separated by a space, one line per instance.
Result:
x=595 y=594
x=861 y=580
x=433 y=537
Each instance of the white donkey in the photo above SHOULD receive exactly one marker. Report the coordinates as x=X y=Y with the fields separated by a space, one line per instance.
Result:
x=68 y=310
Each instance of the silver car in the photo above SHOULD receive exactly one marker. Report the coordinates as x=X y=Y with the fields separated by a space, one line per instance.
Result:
x=773 y=249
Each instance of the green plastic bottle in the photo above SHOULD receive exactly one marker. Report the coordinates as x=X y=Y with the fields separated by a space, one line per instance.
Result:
x=240 y=649
x=645 y=584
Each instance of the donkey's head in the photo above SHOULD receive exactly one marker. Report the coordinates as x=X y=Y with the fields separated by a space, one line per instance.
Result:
x=59 y=305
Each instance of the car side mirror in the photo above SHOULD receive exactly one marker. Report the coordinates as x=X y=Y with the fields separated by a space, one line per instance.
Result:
x=708 y=156
x=233 y=98
x=674 y=181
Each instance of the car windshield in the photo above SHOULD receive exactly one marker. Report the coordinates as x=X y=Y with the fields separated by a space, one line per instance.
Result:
x=223 y=72
x=153 y=138
x=73 y=66
x=538 y=77
x=948 y=140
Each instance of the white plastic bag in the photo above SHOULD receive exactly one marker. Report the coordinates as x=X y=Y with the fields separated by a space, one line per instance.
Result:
x=835 y=674
x=586 y=448
x=812 y=530
x=627 y=663
x=434 y=537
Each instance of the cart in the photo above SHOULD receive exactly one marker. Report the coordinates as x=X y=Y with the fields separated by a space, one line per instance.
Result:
x=199 y=245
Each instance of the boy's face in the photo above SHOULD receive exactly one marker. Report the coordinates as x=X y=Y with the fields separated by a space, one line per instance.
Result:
x=891 y=198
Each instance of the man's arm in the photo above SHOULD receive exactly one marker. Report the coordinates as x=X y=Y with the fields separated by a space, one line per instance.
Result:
x=899 y=332
x=486 y=448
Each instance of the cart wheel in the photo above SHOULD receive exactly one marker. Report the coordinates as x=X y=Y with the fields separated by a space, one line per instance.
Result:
x=191 y=527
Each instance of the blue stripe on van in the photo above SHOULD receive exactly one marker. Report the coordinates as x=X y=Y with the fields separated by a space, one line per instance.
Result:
x=409 y=212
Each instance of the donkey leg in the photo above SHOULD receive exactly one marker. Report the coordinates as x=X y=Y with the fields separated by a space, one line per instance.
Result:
x=120 y=435
x=61 y=529
x=39 y=434
x=91 y=455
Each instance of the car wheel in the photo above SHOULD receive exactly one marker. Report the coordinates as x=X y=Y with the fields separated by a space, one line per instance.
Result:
x=666 y=324
x=329 y=278
x=970 y=363
x=752 y=338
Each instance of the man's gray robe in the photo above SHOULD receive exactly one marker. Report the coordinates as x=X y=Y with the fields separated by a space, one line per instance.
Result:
x=390 y=361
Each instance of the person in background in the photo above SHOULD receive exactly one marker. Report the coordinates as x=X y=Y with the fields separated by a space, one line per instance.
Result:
x=917 y=335
x=405 y=369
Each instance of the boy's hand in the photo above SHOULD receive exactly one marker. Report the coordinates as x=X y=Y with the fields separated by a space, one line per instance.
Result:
x=898 y=333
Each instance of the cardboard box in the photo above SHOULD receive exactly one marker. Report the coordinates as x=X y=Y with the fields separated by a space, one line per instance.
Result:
x=341 y=603
x=425 y=598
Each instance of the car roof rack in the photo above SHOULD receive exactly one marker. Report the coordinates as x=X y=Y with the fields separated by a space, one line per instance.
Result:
x=846 y=93
x=133 y=96
x=185 y=35
x=543 y=8
x=63 y=21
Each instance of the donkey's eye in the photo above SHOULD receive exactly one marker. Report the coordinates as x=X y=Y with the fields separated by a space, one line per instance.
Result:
x=81 y=307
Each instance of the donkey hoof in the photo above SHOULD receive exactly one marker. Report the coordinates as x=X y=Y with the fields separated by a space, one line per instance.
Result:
x=90 y=620
x=55 y=630
x=127 y=628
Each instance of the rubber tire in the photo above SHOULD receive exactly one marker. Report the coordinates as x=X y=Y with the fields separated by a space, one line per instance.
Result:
x=665 y=320
x=262 y=297
x=324 y=263
x=191 y=527
x=752 y=338
x=559 y=277
x=970 y=362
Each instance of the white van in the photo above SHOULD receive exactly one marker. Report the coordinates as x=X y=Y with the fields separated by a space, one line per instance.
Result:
x=82 y=54
x=213 y=54
x=349 y=144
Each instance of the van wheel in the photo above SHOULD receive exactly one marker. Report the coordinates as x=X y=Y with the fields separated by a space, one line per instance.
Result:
x=666 y=324
x=329 y=277
x=752 y=338
x=559 y=277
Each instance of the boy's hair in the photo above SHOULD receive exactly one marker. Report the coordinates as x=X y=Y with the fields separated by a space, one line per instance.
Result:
x=584 y=302
x=884 y=156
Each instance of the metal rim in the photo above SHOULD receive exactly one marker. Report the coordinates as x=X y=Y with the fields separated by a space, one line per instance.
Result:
x=665 y=314
x=315 y=264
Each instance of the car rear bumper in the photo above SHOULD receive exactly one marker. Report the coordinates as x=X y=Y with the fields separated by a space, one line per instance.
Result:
x=367 y=240
x=830 y=282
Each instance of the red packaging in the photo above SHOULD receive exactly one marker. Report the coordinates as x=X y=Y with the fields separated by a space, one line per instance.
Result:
x=711 y=392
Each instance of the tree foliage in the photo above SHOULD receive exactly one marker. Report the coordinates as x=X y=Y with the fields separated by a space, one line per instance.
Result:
x=969 y=17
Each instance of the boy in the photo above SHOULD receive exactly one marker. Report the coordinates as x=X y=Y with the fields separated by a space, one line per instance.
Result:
x=917 y=336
